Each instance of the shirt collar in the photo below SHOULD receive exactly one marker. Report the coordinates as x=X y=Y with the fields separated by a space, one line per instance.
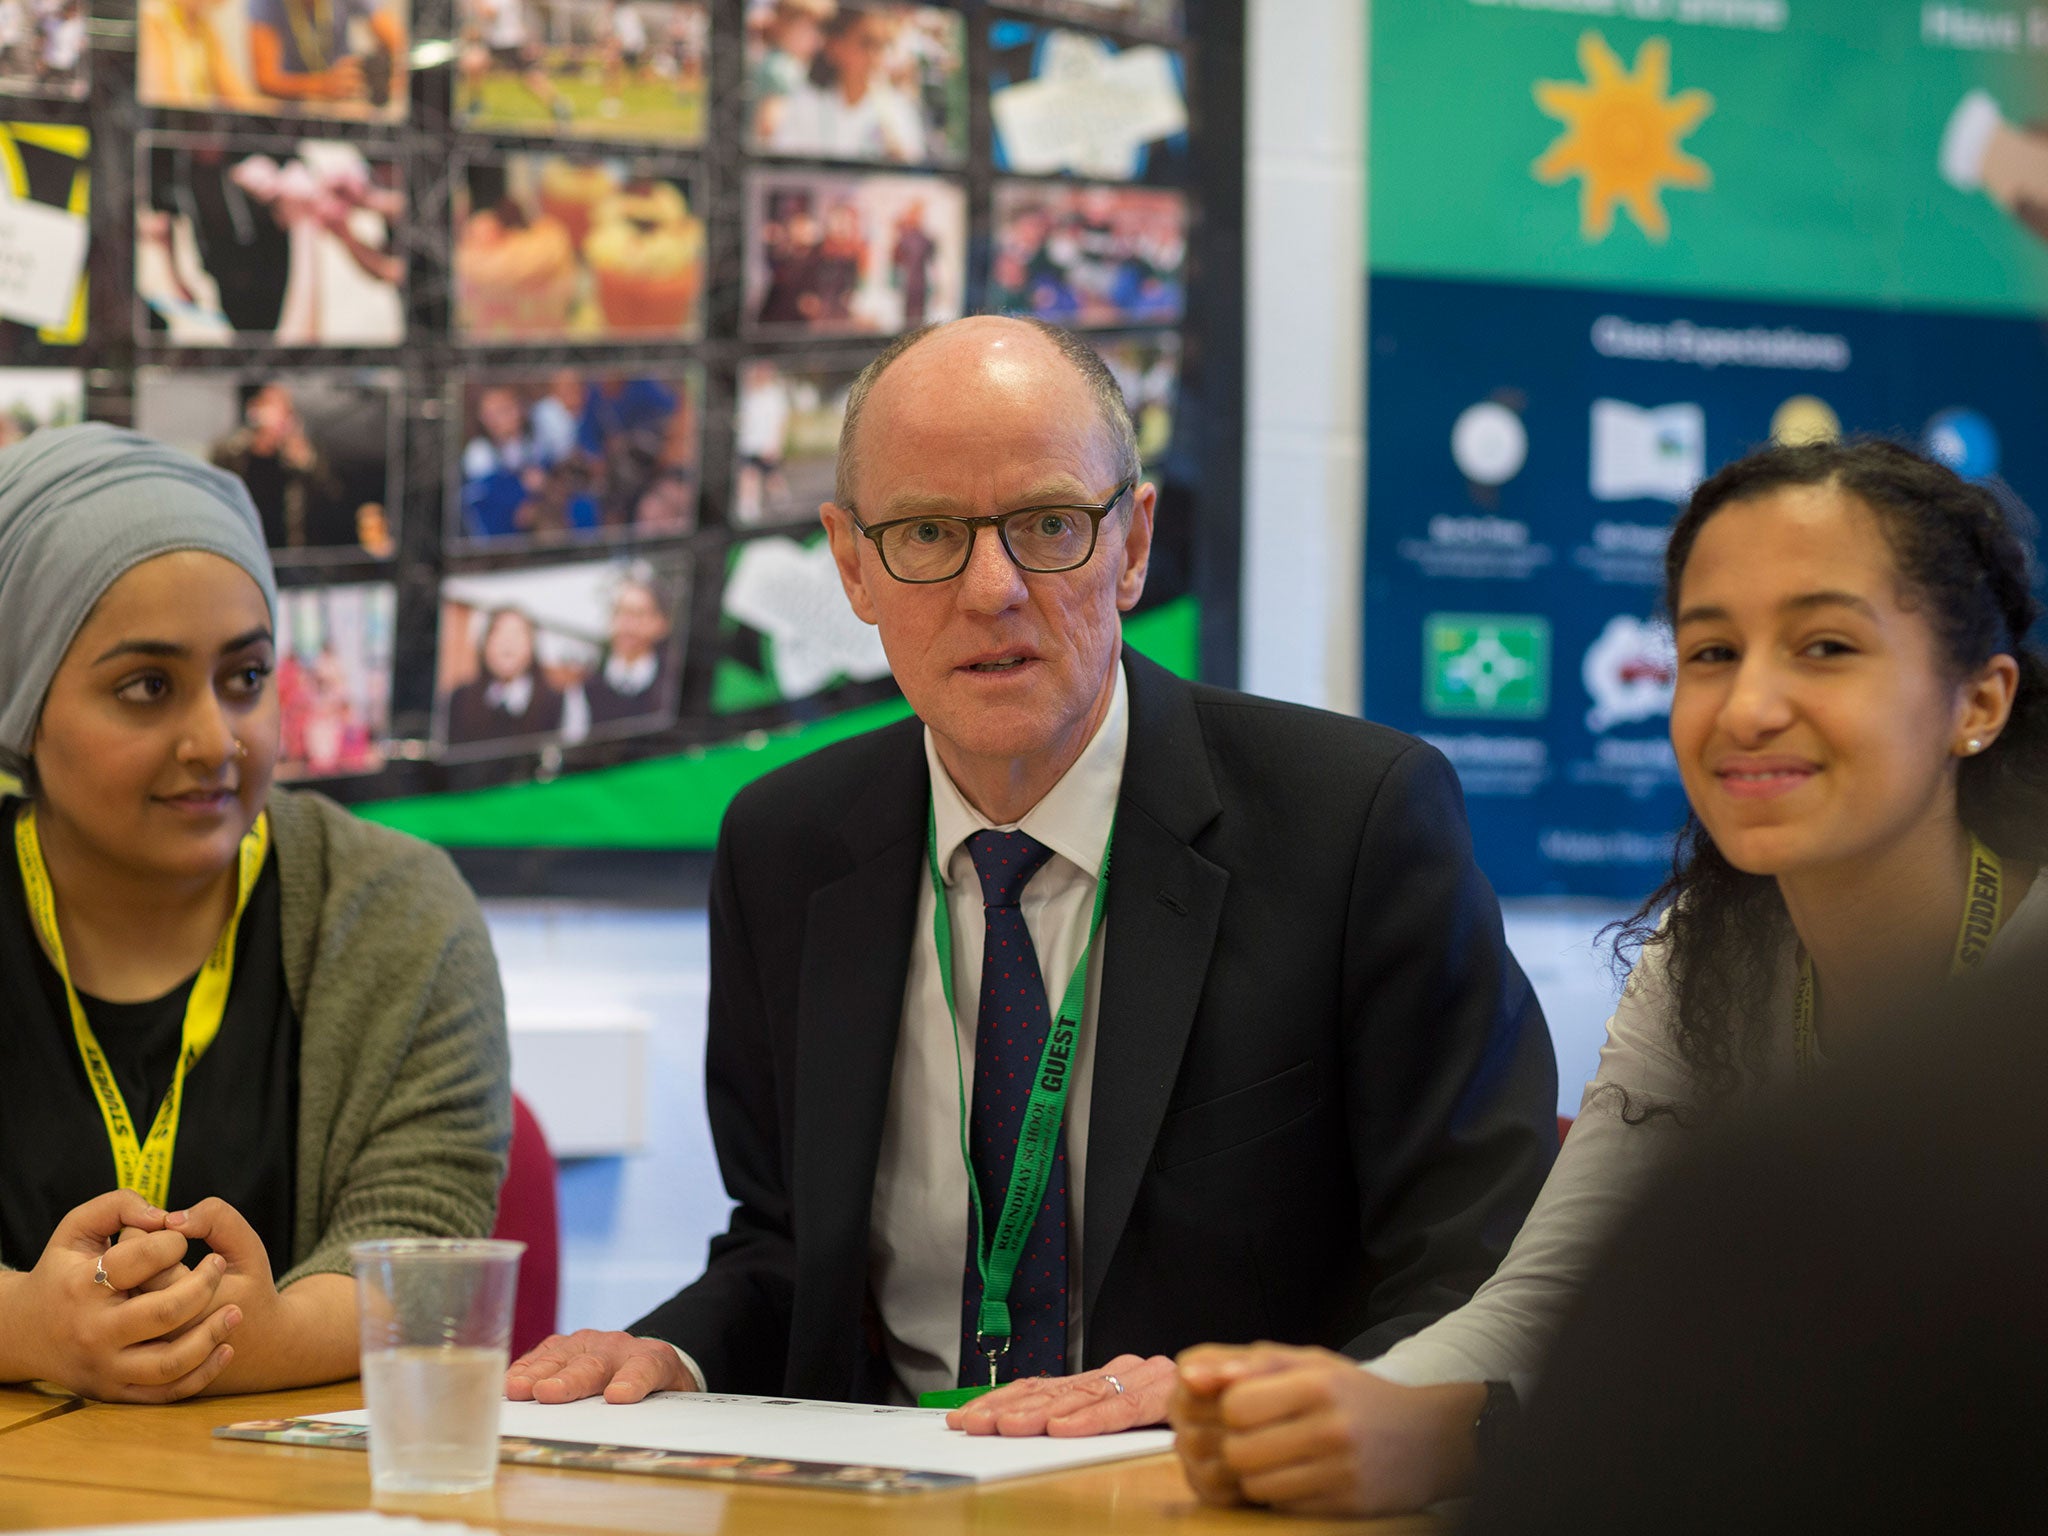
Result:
x=1075 y=815
x=512 y=697
x=635 y=676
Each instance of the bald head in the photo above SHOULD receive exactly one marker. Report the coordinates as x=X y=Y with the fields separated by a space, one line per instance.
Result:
x=964 y=349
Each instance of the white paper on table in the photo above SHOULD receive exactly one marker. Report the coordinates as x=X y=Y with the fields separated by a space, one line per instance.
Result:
x=790 y=1429
x=42 y=257
x=356 y=1523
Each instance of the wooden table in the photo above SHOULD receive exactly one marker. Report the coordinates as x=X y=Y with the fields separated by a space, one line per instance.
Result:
x=103 y=1463
x=29 y=1405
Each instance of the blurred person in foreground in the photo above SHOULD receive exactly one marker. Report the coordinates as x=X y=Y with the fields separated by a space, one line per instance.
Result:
x=1294 y=1081
x=1828 y=1319
x=236 y=1015
x=1863 y=738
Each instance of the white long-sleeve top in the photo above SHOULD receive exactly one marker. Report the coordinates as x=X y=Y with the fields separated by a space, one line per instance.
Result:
x=1503 y=1332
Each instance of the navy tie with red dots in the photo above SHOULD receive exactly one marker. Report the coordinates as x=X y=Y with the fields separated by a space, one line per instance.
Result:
x=1008 y=1040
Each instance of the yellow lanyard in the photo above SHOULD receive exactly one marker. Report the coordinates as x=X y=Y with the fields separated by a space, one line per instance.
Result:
x=144 y=1166
x=1983 y=914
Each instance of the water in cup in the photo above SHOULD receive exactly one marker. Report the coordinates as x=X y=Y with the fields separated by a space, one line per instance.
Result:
x=435 y=1317
x=435 y=1418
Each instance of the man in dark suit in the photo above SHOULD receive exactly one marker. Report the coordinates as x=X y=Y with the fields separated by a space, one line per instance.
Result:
x=1307 y=1092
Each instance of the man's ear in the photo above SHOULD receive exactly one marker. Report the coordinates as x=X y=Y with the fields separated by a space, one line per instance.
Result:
x=1136 y=538
x=846 y=554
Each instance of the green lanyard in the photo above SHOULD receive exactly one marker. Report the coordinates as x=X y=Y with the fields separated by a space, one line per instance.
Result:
x=1037 y=1138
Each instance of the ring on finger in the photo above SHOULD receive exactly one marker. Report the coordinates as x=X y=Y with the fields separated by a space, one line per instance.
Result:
x=99 y=1273
x=1114 y=1383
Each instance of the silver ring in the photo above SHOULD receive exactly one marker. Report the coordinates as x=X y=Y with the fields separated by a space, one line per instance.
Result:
x=99 y=1273
x=1114 y=1383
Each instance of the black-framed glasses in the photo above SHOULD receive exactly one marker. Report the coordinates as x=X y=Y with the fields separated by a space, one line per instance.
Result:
x=1043 y=540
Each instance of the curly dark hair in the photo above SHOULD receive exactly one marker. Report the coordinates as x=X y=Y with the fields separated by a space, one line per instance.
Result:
x=1963 y=562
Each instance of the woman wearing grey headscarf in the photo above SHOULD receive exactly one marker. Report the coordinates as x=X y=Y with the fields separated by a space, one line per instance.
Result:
x=237 y=1016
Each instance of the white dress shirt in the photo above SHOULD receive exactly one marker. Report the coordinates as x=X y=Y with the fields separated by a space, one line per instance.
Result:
x=918 y=1224
x=917 y=1232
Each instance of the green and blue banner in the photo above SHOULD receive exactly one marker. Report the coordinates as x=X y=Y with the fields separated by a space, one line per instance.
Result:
x=1613 y=245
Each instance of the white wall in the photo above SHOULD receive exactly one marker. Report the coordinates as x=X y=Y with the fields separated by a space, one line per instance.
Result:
x=1305 y=334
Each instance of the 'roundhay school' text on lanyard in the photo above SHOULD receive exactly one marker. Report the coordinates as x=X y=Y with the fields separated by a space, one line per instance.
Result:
x=145 y=1165
x=1983 y=914
x=997 y=1255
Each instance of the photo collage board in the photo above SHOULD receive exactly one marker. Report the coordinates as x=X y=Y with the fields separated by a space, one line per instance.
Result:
x=529 y=323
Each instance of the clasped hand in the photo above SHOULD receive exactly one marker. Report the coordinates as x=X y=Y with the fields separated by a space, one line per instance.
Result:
x=154 y=1332
x=1311 y=1432
x=157 y=1330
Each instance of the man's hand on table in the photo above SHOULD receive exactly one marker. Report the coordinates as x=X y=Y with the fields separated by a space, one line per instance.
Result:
x=1087 y=1404
x=563 y=1367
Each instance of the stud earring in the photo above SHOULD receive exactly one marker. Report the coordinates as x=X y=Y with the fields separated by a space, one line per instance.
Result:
x=1973 y=746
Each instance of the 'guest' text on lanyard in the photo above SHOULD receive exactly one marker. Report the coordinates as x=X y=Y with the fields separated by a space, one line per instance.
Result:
x=997 y=1254
x=1983 y=914
x=143 y=1165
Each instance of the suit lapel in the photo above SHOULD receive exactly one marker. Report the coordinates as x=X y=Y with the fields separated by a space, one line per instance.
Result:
x=856 y=958
x=1165 y=901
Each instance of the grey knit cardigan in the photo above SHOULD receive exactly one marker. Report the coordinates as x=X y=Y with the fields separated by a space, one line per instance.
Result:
x=405 y=1099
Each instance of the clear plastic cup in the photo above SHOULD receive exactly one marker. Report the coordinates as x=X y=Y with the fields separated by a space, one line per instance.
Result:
x=435 y=1317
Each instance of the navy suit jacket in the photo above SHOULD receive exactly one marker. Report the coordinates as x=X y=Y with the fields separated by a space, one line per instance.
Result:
x=1324 y=1095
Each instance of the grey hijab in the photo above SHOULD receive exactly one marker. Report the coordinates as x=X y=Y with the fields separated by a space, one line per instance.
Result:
x=79 y=507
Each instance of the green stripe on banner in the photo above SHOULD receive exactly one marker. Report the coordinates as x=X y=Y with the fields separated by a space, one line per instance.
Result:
x=678 y=802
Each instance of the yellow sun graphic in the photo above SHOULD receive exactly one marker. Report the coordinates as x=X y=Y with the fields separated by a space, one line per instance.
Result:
x=1621 y=136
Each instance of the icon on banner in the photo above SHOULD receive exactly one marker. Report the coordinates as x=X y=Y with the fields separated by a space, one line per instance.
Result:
x=1489 y=443
x=1964 y=440
x=1486 y=664
x=1629 y=671
x=1805 y=419
x=1639 y=453
x=1621 y=136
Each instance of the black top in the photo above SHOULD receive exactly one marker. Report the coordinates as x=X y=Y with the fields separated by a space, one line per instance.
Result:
x=238 y=1130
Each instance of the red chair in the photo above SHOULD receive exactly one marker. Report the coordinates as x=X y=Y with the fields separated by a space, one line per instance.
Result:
x=527 y=1211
